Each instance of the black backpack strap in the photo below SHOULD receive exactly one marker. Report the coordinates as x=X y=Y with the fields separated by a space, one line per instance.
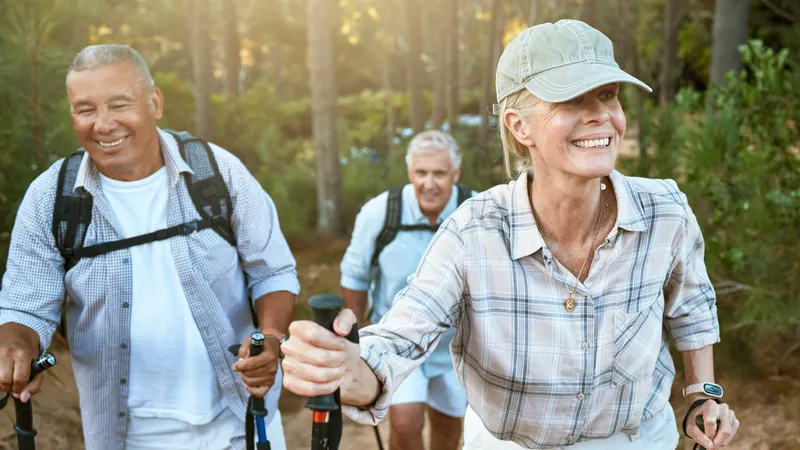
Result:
x=463 y=194
x=72 y=211
x=206 y=186
x=391 y=224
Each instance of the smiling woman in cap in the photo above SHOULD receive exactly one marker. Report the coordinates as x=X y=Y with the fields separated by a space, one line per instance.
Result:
x=564 y=285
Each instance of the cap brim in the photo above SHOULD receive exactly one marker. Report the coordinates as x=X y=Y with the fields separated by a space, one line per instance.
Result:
x=568 y=82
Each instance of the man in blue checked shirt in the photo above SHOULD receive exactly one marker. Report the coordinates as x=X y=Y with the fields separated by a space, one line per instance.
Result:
x=197 y=253
x=374 y=277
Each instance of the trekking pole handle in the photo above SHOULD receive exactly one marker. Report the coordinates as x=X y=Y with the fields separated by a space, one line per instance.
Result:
x=325 y=308
x=256 y=347
x=42 y=363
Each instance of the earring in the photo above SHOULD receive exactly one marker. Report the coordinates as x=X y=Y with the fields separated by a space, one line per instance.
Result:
x=602 y=186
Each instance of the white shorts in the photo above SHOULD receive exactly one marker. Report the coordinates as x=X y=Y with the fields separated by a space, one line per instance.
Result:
x=442 y=393
x=660 y=432
x=146 y=433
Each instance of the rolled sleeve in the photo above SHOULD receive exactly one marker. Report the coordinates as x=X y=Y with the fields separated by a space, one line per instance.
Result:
x=355 y=266
x=264 y=253
x=33 y=284
x=690 y=300
x=408 y=334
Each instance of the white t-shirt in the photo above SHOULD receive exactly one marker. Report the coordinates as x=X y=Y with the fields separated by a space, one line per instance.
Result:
x=171 y=373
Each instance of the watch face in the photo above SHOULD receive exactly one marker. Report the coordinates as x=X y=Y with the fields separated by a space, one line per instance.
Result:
x=712 y=389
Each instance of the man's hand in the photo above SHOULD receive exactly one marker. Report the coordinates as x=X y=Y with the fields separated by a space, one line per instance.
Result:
x=15 y=371
x=714 y=437
x=258 y=372
x=18 y=348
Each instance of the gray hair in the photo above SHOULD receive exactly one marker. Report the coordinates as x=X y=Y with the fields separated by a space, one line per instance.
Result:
x=98 y=56
x=433 y=140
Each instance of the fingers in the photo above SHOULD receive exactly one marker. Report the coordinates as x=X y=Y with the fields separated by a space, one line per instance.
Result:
x=314 y=335
x=32 y=388
x=727 y=428
x=265 y=360
x=309 y=354
x=306 y=388
x=22 y=375
x=259 y=392
x=694 y=432
x=244 y=350
x=344 y=322
x=259 y=381
x=312 y=373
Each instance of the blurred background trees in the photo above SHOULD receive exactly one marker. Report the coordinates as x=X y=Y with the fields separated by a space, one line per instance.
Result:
x=320 y=97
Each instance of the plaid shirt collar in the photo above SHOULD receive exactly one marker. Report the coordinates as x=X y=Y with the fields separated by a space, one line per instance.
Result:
x=524 y=235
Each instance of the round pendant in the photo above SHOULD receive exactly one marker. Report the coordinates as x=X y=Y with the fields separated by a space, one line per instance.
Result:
x=569 y=304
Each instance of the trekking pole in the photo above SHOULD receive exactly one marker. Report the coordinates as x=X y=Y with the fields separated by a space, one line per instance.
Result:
x=24 y=412
x=324 y=307
x=256 y=411
x=326 y=428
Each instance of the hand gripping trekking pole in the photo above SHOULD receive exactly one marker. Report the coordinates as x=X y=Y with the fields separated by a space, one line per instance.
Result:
x=326 y=428
x=24 y=411
x=255 y=405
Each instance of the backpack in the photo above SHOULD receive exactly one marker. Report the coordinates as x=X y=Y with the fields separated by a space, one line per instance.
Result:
x=394 y=213
x=72 y=211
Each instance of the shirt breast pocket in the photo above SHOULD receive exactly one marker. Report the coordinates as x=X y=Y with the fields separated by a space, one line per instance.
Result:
x=637 y=340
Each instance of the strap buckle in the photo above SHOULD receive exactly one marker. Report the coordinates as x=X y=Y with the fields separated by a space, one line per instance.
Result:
x=188 y=228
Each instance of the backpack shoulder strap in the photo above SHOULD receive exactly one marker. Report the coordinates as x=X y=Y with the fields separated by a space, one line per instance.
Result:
x=72 y=211
x=463 y=193
x=206 y=186
x=391 y=224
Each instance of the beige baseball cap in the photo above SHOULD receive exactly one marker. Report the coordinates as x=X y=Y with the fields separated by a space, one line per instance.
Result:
x=558 y=62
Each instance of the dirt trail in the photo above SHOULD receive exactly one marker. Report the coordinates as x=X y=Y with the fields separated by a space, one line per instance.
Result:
x=768 y=409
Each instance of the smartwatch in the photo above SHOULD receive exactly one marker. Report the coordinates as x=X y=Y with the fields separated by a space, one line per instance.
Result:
x=712 y=390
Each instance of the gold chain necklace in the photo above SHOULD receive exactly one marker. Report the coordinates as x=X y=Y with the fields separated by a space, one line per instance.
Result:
x=569 y=303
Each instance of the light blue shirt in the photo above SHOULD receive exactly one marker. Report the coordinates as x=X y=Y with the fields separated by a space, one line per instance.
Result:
x=398 y=260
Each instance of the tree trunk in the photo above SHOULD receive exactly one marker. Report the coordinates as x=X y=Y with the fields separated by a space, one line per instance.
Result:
x=416 y=107
x=494 y=43
x=201 y=64
x=453 y=57
x=322 y=16
x=388 y=92
x=40 y=153
x=730 y=31
x=278 y=57
x=438 y=43
x=669 y=55
x=231 y=48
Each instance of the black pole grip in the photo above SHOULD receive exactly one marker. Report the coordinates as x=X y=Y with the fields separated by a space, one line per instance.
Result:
x=24 y=411
x=256 y=347
x=325 y=308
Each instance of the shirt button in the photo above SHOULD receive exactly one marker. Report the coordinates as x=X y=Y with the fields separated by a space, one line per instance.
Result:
x=122 y=413
x=570 y=438
x=585 y=345
x=125 y=260
x=123 y=345
x=123 y=381
x=581 y=396
x=126 y=305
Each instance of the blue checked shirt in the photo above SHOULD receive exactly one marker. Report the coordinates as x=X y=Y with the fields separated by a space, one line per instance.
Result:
x=535 y=373
x=218 y=279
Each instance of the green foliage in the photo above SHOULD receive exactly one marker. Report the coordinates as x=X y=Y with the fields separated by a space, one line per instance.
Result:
x=736 y=154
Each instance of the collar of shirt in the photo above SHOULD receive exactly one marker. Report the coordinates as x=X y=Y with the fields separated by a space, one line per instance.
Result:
x=524 y=235
x=410 y=199
x=89 y=179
